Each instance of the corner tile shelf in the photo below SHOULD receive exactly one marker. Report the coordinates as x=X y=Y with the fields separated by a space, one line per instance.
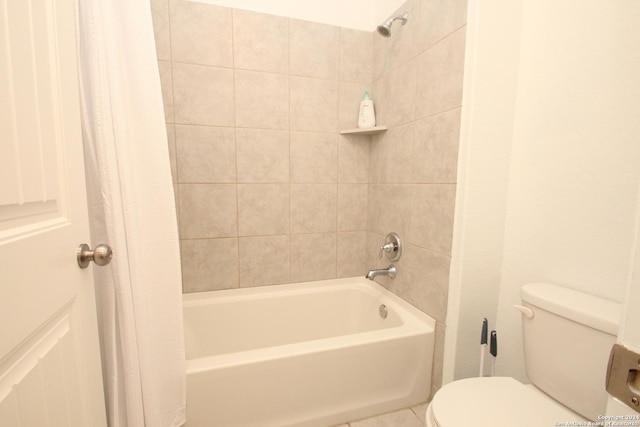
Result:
x=368 y=131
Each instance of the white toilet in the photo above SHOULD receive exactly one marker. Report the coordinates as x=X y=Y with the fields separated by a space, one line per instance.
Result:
x=567 y=341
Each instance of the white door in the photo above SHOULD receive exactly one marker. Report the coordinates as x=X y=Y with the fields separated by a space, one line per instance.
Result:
x=50 y=371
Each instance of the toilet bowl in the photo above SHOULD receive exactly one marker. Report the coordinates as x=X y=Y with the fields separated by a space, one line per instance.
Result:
x=567 y=337
x=495 y=402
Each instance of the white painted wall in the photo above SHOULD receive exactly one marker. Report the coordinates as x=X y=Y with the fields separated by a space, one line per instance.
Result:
x=573 y=158
x=358 y=14
x=491 y=71
x=575 y=161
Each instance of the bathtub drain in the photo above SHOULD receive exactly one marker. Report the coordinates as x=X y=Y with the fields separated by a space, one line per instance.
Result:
x=383 y=311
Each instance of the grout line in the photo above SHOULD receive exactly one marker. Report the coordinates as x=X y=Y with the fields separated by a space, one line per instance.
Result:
x=289 y=144
x=432 y=115
x=235 y=145
x=175 y=142
x=340 y=87
x=337 y=146
x=369 y=183
x=233 y=68
x=435 y=43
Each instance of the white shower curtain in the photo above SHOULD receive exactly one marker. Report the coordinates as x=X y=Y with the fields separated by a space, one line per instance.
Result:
x=131 y=208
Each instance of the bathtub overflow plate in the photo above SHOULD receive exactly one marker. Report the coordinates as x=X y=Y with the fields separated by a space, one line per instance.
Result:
x=383 y=311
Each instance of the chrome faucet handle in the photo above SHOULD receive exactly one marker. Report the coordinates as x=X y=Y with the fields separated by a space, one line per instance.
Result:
x=393 y=246
x=389 y=247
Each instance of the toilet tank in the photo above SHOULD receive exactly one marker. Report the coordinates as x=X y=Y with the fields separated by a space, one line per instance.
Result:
x=567 y=344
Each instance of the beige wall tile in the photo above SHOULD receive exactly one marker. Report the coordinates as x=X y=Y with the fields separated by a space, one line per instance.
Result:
x=201 y=33
x=389 y=208
x=263 y=155
x=399 y=48
x=391 y=155
x=313 y=208
x=432 y=210
x=375 y=159
x=396 y=92
x=206 y=154
x=436 y=19
x=422 y=276
x=313 y=49
x=392 y=52
x=356 y=55
x=263 y=209
x=314 y=157
x=166 y=83
x=260 y=41
x=313 y=257
x=372 y=248
x=209 y=264
x=352 y=207
x=435 y=150
x=207 y=210
x=403 y=37
x=262 y=100
x=353 y=158
x=440 y=71
x=314 y=104
x=160 y=16
x=380 y=99
x=351 y=254
x=427 y=280
x=286 y=133
x=374 y=209
x=438 y=359
x=203 y=95
x=381 y=59
x=349 y=98
x=264 y=260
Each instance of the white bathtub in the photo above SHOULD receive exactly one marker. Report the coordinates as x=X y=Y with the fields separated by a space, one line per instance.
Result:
x=304 y=354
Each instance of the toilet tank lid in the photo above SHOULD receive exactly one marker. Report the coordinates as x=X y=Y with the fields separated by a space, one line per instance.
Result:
x=590 y=310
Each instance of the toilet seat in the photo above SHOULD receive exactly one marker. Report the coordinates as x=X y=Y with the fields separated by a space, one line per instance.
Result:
x=495 y=402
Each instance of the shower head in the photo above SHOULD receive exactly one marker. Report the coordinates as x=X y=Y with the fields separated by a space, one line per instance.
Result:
x=384 y=29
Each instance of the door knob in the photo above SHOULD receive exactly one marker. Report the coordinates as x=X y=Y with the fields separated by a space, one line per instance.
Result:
x=101 y=255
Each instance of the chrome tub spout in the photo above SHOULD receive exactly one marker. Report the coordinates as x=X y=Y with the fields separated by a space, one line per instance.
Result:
x=389 y=271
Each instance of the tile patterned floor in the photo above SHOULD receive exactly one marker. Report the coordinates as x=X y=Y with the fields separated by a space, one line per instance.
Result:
x=413 y=417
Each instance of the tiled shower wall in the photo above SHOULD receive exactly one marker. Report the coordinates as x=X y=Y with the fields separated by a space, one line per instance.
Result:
x=412 y=176
x=267 y=190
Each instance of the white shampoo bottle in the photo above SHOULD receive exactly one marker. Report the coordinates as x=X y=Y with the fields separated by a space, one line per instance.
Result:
x=367 y=116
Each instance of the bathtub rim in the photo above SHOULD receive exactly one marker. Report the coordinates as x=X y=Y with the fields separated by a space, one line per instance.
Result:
x=413 y=321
